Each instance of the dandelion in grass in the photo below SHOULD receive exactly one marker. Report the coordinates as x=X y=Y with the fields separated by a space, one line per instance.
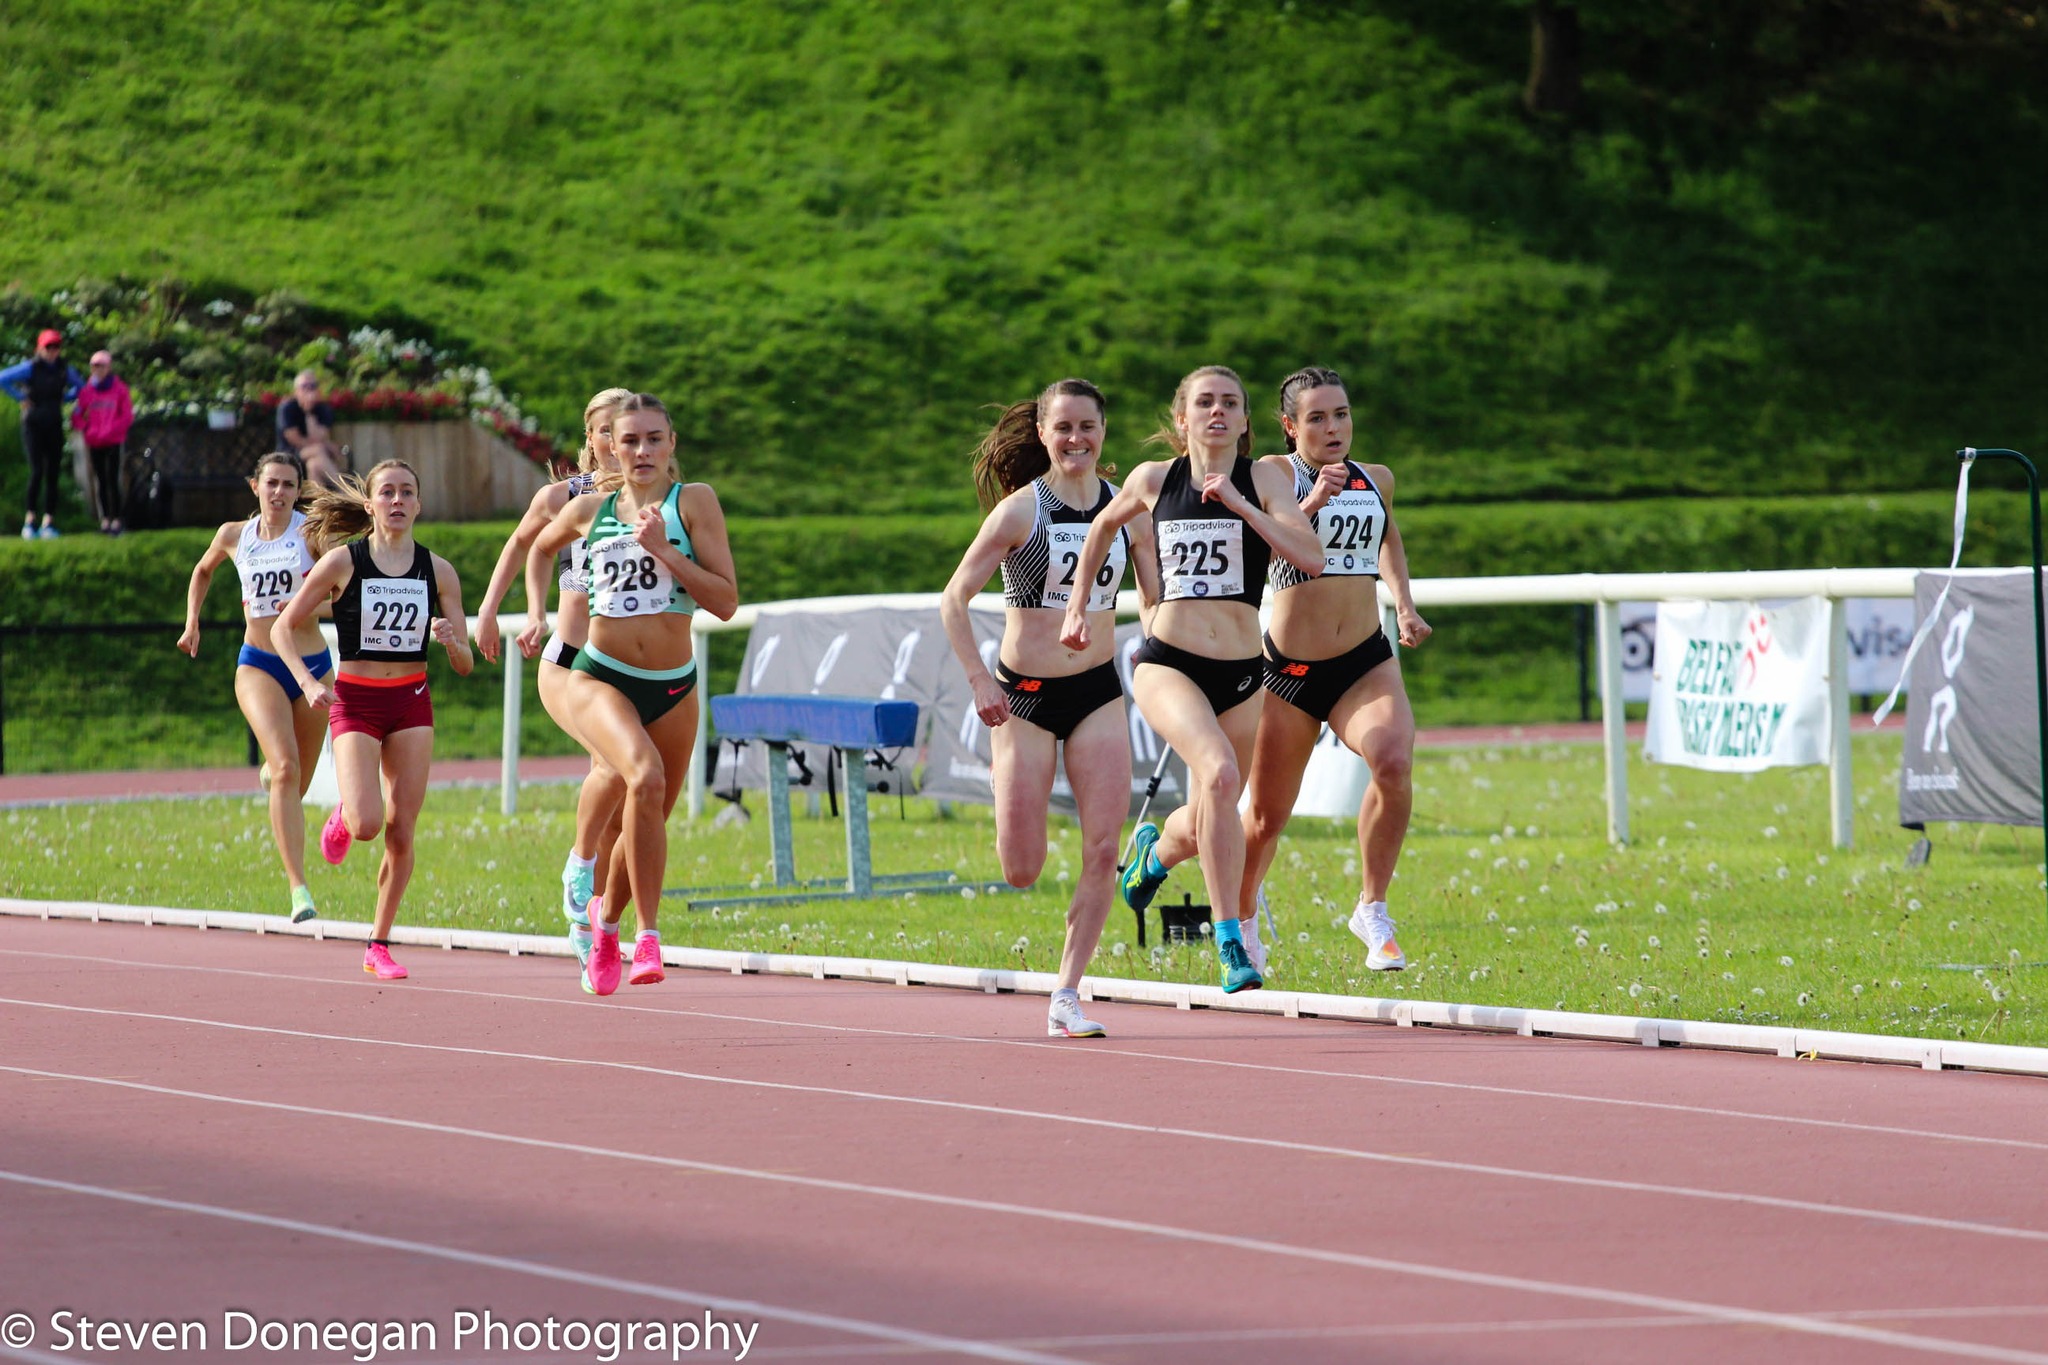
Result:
x=1805 y=997
x=1727 y=976
x=1856 y=989
x=1656 y=942
x=1635 y=990
x=1770 y=831
x=1756 y=990
x=1953 y=926
x=1913 y=904
x=1119 y=948
x=1660 y=908
x=1812 y=880
x=1301 y=937
x=1493 y=917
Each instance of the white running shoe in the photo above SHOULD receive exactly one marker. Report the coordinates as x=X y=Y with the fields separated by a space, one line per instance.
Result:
x=1065 y=1020
x=1376 y=930
x=1254 y=944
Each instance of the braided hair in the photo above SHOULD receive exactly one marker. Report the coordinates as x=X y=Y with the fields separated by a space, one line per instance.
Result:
x=1294 y=385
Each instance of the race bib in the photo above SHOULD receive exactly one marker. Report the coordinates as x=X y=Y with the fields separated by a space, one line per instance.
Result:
x=1063 y=541
x=271 y=572
x=627 y=580
x=265 y=591
x=396 y=615
x=1350 y=526
x=1201 y=558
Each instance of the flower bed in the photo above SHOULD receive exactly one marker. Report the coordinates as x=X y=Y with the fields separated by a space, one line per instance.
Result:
x=239 y=353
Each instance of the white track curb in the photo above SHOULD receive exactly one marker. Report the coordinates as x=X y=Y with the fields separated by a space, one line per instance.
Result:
x=1929 y=1053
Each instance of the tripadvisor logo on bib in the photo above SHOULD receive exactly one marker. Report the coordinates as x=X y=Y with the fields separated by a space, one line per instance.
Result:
x=1715 y=719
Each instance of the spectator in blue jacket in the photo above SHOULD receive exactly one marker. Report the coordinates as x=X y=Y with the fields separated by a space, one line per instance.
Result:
x=42 y=384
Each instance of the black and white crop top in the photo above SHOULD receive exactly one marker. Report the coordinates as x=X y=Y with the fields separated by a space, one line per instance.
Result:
x=1206 y=551
x=1351 y=525
x=386 y=617
x=1040 y=572
x=572 y=561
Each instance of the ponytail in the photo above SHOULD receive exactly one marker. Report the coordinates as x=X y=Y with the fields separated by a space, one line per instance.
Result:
x=1012 y=455
x=340 y=512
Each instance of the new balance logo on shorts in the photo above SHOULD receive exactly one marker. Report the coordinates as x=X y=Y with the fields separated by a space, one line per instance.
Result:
x=1030 y=684
x=1294 y=670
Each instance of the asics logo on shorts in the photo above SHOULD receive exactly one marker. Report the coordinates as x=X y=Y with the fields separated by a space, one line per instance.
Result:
x=1244 y=684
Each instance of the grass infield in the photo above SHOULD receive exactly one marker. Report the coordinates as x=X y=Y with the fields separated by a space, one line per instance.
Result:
x=1729 y=906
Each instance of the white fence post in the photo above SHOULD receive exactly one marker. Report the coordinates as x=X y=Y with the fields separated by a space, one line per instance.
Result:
x=1613 y=718
x=1841 y=780
x=508 y=734
x=700 y=651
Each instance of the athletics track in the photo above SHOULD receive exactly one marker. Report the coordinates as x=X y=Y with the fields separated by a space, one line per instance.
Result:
x=194 y=1122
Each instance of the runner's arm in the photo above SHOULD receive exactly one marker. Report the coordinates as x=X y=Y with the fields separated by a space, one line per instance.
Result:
x=217 y=553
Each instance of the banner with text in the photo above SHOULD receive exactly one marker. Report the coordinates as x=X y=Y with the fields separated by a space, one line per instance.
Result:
x=1739 y=687
x=1972 y=733
x=1879 y=628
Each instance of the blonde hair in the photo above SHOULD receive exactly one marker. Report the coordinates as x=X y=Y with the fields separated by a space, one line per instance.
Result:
x=606 y=402
x=1171 y=436
x=340 y=512
x=614 y=480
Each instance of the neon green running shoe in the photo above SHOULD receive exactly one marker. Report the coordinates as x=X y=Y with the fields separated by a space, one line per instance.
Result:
x=302 y=904
x=1139 y=884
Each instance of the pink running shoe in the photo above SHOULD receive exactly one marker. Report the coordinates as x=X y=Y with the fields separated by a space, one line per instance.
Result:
x=646 y=963
x=335 y=838
x=377 y=961
x=601 y=973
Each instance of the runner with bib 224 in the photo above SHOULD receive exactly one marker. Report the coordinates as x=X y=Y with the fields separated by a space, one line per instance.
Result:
x=1218 y=518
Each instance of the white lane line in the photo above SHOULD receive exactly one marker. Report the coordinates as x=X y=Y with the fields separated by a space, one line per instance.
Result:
x=1108 y=1048
x=662 y=1293
x=1766 y=1201
x=1791 y=1322
x=1262 y=1335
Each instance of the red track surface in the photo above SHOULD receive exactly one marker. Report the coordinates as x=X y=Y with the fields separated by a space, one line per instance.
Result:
x=873 y=1172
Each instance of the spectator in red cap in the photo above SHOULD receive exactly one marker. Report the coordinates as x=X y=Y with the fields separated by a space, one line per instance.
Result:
x=103 y=413
x=42 y=384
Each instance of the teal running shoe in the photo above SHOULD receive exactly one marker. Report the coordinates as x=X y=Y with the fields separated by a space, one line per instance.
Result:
x=302 y=904
x=1238 y=972
x=1138 y=884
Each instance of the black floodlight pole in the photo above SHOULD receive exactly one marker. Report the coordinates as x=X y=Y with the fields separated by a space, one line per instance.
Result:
x=2040 y=615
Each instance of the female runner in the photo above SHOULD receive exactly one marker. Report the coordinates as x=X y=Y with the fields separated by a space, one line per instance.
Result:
x=655 y=548
x=597 y=803
x=1327 y=657
x=390 y=595
x=270 y=552
x=1218 y=517
x=1038 y=470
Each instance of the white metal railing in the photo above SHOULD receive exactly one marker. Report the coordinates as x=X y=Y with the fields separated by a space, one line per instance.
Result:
x=1604 y=592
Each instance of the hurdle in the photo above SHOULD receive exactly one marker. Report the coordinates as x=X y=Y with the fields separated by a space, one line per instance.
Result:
x=852 y=726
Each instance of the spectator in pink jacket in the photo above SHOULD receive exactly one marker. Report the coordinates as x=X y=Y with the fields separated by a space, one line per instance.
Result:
x=104 y=412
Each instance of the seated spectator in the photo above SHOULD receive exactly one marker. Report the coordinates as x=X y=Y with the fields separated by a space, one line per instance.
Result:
x=42 y=384
x=103 y=413
x=305 y=426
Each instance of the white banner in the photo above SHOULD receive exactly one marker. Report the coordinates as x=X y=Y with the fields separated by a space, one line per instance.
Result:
x=1739 y=687
x=1880 y=628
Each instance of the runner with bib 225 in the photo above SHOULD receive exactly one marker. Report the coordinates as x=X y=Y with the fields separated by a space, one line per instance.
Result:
x=1218 y=517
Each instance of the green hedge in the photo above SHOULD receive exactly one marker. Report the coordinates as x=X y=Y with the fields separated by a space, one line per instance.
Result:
x=142 y=577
